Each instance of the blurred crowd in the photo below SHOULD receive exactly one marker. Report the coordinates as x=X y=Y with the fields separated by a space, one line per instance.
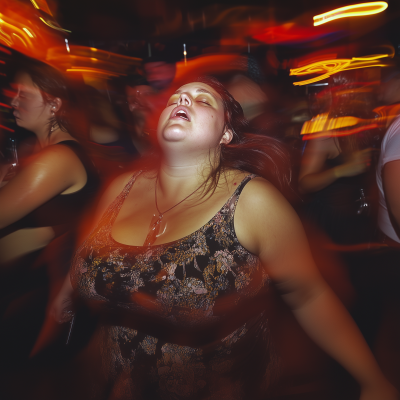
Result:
x=343 y=139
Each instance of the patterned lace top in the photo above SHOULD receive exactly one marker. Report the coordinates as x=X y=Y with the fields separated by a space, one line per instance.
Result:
x=180 y=320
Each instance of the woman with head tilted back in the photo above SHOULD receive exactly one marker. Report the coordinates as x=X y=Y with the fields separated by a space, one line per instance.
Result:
x=42 y=202
x=181 y=259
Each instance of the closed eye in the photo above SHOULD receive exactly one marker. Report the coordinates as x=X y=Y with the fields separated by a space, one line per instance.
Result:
x=173 y=100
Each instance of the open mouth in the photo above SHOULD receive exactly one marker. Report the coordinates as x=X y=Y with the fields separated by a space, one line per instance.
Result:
x=180 y=112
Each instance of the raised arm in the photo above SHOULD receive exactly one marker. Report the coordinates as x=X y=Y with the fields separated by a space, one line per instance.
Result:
x=53 y=171
x=267 y=226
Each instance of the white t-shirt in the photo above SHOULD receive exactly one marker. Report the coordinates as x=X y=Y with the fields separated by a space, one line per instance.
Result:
x=390 y=151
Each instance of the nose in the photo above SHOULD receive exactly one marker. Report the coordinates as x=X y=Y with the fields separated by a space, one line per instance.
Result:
x=14 y=101
x=184 y=100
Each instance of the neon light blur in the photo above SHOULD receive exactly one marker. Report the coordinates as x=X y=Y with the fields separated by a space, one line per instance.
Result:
x=330 y=67
x=355 y=10
x=53 y=26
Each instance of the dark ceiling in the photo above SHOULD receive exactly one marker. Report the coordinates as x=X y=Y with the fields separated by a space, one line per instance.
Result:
x=152 y=19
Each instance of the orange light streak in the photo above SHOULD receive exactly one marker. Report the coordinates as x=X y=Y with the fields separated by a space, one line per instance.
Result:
x=20 y=38
x=93 y=71
x=330 y=67
x=355 y=10
x=346 y=132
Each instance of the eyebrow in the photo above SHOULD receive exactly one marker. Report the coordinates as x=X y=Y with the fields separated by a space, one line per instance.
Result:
x=199 y=91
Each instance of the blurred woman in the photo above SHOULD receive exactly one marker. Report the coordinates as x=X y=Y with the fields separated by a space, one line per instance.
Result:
x=43 y=202
x=333 y=167
x=181 y=260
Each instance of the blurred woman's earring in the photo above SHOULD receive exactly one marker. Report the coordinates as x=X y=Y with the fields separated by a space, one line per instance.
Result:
x=53 y=126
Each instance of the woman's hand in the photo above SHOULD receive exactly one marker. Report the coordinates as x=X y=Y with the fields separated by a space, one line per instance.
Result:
x=358 y=163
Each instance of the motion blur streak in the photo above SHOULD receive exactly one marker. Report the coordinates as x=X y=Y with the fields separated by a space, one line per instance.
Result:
x=54 y=26
x=355 y=10
x=330 y=67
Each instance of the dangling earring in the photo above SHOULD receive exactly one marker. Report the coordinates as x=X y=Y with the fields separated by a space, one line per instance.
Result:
x=54 y=125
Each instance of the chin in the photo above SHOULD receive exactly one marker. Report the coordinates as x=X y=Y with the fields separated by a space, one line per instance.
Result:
x=173 y=135
x=173 y=138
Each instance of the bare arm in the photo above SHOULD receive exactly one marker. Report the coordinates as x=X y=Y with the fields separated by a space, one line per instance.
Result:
x=53 y=171
x=283 y=249
x=313 y=176
x=390 y=177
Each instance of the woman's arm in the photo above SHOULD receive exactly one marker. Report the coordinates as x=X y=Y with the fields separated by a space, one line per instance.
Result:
x=390 y=178
x=313 y=176
x=267 y=226
x=55 y=170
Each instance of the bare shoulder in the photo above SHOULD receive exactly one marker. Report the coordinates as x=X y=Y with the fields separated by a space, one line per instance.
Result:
x=261 y=193
x=54 y=156
x=232 y=178
x=263 y=215
x=57 y=165
x=114 y=188
x=326 y=144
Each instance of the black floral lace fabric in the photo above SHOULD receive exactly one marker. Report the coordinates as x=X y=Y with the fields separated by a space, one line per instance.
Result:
x=180 y=320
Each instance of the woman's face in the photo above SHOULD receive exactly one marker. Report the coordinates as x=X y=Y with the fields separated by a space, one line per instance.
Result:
x=194 y=116
x=30 y=110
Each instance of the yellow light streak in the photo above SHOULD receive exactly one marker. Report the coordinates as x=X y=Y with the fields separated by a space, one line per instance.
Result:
x=20 y=38
x=376 y=57
x=330 y=67
x=54 y=26
x=355 y=10
x=327 y=66
x=312 y=80
x=35 y=4
x=93 y=71
x=21 y=35
x=5 y=38
x=28 y=32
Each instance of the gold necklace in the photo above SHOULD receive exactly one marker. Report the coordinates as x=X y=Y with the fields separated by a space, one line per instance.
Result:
x=155 y=223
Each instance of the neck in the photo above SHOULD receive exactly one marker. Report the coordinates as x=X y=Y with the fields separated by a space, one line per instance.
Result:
x=57 y=135
x=177 y=180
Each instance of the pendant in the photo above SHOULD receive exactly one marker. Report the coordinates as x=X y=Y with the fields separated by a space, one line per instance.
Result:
x=154 y=229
